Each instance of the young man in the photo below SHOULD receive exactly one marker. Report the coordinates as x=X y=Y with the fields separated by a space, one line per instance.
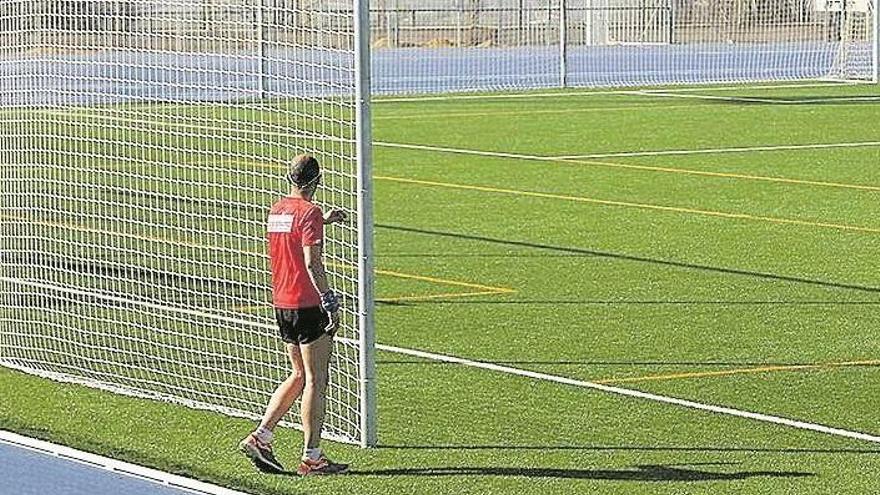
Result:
x=306 y=310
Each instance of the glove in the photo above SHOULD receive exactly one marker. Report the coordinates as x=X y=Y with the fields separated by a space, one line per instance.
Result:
x=330 y=302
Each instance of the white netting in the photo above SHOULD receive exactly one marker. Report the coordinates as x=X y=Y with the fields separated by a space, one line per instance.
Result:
x=142 y=145
x=465 y=45
x=855 y=21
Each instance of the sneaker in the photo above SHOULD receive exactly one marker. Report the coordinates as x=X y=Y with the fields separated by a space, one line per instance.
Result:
x=322 y=466
x=261 y=455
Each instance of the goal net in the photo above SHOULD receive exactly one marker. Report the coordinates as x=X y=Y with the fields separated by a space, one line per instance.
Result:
x=142 y=145
x=469 y=45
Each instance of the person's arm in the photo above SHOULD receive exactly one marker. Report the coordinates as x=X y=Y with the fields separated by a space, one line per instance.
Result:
x=312 y=239
x=329 y=300
x=315 y=267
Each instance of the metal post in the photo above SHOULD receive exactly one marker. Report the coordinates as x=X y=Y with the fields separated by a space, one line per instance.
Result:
x=563 y=44
x=521 y=22
x=365 y=224
x=844 y=19
x=875 y=77
x=672 y=21
x=458 y=24
x=262 y=34
x=390 y=12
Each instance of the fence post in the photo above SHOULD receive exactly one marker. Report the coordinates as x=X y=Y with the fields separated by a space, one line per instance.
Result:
x=261 y=49
x=563 y=44
x=520 y=20
x=390 y=19
x=875 y=76
x=458 y=23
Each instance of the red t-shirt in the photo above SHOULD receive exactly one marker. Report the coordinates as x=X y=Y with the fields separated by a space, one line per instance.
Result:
x=293 y=224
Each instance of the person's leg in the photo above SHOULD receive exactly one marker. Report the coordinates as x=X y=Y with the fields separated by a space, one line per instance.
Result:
x=316 y=361
x=258 y=445
x=287 y=392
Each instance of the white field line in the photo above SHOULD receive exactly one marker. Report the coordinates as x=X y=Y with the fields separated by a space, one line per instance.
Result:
x=494 y=96
x=844 y=99
x=118 y=467
x=587 y=92
x=709 y=151
x=498 y=154
x=746 y=99
x=828 y=430
x=193 y=126
x=504 y=113
x=825 y=84
x=385 y=144
x=460 y=151
x=752 y=99
x=629 y=108
x=766 y=418
x=487 y=96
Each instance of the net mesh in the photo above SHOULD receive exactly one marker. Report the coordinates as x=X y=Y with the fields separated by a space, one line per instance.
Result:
x=143 y=143
x=471 y=45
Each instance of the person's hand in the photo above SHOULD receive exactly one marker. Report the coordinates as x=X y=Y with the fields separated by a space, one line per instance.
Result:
x=330 y=305
x=330 y=302
x=335 y=215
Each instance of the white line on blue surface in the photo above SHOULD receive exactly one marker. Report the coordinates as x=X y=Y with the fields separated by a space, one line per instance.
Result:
x=68 y=482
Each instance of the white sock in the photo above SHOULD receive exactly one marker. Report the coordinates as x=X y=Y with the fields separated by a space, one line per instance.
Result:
x=264 y=435
x=312 y=454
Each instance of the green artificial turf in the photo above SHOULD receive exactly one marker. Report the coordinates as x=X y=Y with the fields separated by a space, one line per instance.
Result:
x=629 y=270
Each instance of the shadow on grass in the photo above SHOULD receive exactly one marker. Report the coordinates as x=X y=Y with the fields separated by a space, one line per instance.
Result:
x=648 y=472
x=639 y=259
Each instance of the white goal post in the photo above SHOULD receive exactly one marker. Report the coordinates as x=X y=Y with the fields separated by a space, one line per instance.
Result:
x=142 y=144
x=430 y=46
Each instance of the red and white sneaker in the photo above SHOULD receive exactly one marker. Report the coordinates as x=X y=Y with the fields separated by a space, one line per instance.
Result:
x=261 y=455
x=322 y=466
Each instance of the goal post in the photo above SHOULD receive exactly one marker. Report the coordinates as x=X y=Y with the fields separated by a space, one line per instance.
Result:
x=142 y=145
x=366 y=269
x=874 y=40
x=421 y=46
x=854 y=26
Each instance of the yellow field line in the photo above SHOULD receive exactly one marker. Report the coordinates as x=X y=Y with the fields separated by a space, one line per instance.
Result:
x=648 y=168
x=617 y=165
x=484 y=289
x=413 y=298
x=738 y=371
x=443 y=281
x=91 y=230
x=726 y=175
x=674 y=209
x=446 y=295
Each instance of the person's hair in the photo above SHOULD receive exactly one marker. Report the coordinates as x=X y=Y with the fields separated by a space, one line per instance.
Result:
x=304 y=172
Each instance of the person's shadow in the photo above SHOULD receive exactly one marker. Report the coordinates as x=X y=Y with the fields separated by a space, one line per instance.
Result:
x=646 y=472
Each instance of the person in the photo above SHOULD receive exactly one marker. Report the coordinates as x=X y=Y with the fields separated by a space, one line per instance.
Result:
x=306 y=310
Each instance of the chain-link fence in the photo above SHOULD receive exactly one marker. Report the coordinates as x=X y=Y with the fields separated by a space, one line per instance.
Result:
x=467 y=45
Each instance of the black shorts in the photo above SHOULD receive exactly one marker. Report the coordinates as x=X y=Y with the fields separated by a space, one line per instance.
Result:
x=301 y=326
